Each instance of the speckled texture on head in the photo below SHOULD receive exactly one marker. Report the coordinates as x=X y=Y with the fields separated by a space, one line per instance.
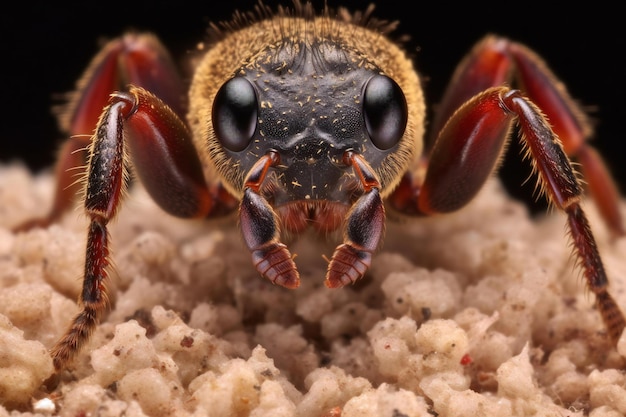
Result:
x=256 y=40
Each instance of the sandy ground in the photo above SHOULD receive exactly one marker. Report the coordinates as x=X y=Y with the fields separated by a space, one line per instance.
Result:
x=478 y=313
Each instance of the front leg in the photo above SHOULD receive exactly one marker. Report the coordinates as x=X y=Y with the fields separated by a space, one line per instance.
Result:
x=364 y=229
x=166 y=163
x=259 y=227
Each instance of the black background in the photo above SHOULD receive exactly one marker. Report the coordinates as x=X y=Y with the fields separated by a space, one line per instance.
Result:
x=44 y=47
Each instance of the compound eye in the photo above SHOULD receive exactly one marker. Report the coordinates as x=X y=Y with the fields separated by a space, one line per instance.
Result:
x=235 y=114
x=385 y=111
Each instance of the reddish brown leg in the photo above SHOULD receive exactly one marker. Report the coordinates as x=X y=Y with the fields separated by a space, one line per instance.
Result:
x=468 y=149
x=69 y=173
x=496 y=61
x=364 y=228
x=259 y=227
x=137 y=59
x=165 y=161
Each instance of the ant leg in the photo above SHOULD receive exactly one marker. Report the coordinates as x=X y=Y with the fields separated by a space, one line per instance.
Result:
x=364 y=228
x=468 y=150
x=140 y=125
x=259 y=227
x=137 y=59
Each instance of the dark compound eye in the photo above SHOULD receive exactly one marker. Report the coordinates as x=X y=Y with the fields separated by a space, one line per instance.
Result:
x=235 y=114
x=385 y=111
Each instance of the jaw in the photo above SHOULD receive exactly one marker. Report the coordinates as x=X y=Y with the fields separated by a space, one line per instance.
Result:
x=323 y=216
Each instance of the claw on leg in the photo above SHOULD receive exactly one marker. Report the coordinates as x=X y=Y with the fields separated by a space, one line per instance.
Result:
x=274 y=262
x=347 y=265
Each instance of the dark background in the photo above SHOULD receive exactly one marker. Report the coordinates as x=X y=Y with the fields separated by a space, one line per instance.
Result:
x=44 y=48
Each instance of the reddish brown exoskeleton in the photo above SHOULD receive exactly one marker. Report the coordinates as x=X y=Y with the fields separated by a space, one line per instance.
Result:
x=299 y=120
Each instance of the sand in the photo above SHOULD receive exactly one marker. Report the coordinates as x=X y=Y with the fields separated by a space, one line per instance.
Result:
x=477 y=313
